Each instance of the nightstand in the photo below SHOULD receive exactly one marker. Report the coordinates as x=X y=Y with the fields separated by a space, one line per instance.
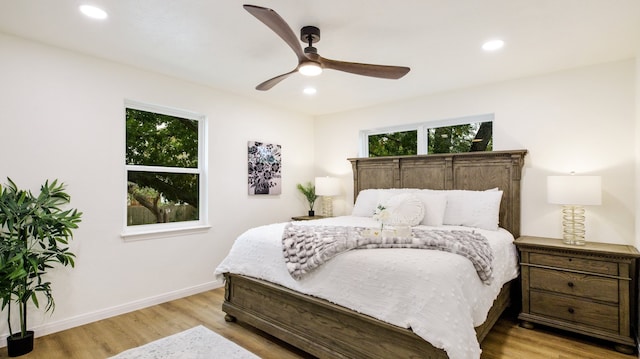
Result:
x=586 y=289
x=306 y=218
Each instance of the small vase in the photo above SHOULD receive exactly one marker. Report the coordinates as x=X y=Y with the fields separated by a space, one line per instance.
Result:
x=312 y=213
x=18 y=345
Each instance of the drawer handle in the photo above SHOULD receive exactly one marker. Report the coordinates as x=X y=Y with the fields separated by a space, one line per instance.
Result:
x=571 y=310
x=570 y=284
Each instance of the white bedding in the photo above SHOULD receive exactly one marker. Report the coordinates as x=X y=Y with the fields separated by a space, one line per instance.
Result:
x=436 y=294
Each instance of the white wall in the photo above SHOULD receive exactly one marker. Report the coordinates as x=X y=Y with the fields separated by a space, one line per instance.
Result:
x=62 y=116
x=580 y=120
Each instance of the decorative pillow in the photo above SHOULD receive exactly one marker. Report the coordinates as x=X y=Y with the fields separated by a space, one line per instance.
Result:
x=479 y=209
x=435 y=204
x=368 y=200
x=405 y=210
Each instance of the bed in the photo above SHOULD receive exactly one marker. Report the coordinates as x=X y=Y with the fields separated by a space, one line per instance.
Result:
x=329 y=330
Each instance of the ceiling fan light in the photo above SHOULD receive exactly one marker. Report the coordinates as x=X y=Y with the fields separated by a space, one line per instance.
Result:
x=310 y=69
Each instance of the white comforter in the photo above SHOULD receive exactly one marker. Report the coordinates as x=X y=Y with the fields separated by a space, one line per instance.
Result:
x=436 y=294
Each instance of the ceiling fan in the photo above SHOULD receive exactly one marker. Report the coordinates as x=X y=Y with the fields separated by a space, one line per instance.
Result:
x=309 y=62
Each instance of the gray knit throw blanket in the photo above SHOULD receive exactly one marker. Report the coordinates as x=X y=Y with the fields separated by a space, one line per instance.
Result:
x=305 y=248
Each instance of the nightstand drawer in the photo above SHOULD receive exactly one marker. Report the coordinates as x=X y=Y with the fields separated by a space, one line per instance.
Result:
x=575 y=310
x=581 y=285
x=571 y=263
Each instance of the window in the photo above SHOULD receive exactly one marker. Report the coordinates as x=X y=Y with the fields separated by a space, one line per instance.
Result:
x=165 y=165
x=469 y=137
x=394 y=144
x=465 y=134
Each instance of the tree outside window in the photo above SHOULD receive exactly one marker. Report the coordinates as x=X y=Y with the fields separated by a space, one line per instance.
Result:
x=469 y=137
x=394 y=144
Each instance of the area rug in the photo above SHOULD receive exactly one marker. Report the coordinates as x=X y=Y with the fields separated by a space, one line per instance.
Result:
x=195 y=343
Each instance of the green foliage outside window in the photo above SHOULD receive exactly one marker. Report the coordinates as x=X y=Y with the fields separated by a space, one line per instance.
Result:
x=154 y=139
x=393 y=144
x=161 y=140
x=460 y=138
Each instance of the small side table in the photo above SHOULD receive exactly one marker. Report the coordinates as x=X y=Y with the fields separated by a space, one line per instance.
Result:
x=306 y=218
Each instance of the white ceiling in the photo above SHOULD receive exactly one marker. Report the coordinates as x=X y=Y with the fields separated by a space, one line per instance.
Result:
x=219 y=44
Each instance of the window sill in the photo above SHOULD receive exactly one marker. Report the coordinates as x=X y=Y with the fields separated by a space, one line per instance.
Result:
x=154 y=233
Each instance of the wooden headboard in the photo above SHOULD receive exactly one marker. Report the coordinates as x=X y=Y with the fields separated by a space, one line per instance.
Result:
x=470 y=171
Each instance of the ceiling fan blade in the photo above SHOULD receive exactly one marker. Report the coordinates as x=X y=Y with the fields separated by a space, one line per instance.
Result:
x=382 y=71
x=274 y=81
x=271 y=18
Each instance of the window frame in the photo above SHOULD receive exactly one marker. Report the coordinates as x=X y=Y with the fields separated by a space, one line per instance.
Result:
x=422 y=131
x=159 y=230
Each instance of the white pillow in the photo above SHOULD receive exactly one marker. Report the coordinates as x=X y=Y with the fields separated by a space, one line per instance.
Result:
x=479 y=209
x=368 y=200
x=435 y=204
x=366 y=203
x=405 y=210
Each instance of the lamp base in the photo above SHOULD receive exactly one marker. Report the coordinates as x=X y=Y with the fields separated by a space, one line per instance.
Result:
x=573 y=225
x=327 y=206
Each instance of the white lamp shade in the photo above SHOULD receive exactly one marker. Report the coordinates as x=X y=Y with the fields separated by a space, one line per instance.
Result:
x=327 y=186
x=574 y=190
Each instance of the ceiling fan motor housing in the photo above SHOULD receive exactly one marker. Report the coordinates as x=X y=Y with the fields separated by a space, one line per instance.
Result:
x=310 y=35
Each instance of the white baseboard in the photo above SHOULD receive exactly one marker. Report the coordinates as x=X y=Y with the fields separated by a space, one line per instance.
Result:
x=87 y=318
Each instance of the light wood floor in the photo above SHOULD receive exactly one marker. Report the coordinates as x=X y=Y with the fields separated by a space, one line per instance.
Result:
x=111 y=336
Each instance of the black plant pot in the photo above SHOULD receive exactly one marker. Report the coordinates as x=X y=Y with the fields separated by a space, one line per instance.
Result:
x=18 y=345
x=311 y=213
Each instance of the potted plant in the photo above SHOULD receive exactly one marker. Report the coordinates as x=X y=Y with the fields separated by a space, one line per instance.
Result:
x=309 y=192
x=34 y=237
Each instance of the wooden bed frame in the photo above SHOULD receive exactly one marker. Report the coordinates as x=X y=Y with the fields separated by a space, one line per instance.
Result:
x=327 y=330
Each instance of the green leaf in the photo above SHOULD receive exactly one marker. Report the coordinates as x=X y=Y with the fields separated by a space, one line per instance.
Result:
x=34 y=299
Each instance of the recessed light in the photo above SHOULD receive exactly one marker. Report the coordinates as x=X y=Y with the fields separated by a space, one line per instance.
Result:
x=309 y=90
x=93 y=12
x=493 y=45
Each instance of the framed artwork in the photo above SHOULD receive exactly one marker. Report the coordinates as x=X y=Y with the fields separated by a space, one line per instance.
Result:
x=265 y=168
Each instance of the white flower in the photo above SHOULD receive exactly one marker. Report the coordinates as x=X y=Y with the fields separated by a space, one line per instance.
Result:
x=382 y=214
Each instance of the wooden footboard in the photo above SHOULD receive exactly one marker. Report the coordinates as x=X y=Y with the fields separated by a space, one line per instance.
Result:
x=327 y=330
